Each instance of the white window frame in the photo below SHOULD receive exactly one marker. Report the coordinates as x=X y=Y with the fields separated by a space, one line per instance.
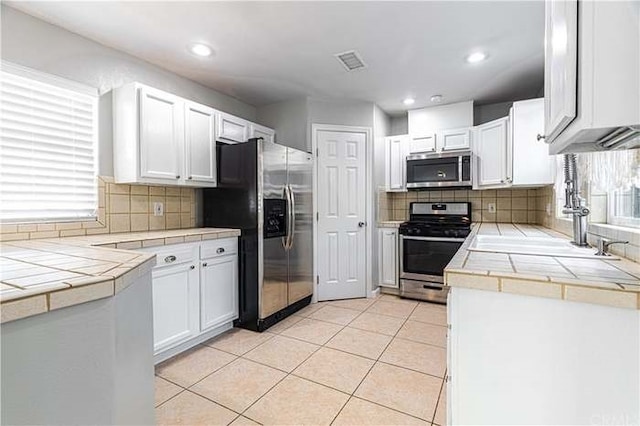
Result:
x=65 y=84
x=612 y=219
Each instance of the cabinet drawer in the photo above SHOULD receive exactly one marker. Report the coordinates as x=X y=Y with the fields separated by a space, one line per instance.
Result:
x=175 y=254
x=216 y=248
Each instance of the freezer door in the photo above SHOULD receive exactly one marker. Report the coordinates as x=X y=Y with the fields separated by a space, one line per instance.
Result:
x=300 y=174
x=273 y=293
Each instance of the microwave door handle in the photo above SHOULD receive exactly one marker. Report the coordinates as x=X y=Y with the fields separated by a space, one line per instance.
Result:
x=460 y=169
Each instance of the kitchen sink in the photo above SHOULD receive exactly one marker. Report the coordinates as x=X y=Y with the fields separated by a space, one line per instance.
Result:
x=540 y=246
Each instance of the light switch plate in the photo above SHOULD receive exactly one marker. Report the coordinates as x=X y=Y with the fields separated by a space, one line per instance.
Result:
x=158 y=209
x=491 y=207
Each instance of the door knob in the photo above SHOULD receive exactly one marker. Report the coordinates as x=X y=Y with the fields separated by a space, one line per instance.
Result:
x=361 y=224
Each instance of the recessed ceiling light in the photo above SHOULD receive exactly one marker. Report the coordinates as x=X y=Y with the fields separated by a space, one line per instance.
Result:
x=409 y=101
x=436 y=98
x=200 y=49
x=476 y=57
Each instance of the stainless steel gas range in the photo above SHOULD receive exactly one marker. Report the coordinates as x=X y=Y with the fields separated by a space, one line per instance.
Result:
x=428 y=242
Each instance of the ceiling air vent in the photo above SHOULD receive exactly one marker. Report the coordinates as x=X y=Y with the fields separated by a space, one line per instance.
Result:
x=351 y=60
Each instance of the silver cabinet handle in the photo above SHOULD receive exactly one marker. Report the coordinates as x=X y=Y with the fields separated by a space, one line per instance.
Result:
x=190 y=177
x=220 y=250
x=361 y=224
x=170 y=259
x=204 y=264
x=540 y=137
x=177 y=176
x=192 y=267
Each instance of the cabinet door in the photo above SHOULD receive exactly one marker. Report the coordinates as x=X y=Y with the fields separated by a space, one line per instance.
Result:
x=396 y=160
x=257 y=131
x=175 y=305
x=527 y=121
x=560 y=66
x=422 y=144
x=161 y=135
x=218 y=291
x=388 y=257
x=200 y=144
x=491 y=148
x=232 y=129
x=454 y=139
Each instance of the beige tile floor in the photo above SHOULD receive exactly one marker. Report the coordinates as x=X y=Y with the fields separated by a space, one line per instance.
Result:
x=348 y=362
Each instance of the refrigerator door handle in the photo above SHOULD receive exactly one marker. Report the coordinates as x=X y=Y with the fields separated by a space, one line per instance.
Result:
x=292 y=228
x=285 y=239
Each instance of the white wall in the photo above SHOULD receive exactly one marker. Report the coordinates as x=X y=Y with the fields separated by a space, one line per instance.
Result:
x=441 y=117
x=399 y=125
x=36 y=44
x=289 y=120
x=485 y=113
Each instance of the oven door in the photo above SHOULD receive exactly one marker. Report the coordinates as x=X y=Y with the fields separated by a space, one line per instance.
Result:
x=424 y=258
x=425 y=172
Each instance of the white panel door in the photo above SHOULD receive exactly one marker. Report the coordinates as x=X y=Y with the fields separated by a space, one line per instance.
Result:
x=218 y=291
x=560 y=66
x=175 y=305
x=396 y=163
x=161 y=135
x=341 y=215
x=388 y=257
x=200 y=144
x=490 y=142
x=454 y=139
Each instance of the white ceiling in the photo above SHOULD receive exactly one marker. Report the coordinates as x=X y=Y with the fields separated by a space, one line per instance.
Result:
x=271 y=51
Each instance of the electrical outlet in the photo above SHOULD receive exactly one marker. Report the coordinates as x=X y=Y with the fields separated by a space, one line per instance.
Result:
x=491 y=207
x=158 y=209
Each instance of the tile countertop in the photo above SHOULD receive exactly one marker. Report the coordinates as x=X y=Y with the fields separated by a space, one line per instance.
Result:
x=598 y=281
x=390 y=223
x=42 y=275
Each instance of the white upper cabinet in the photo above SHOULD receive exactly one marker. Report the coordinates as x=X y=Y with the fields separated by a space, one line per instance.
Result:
x=396 y=148
x=160 y=138
x=508 y=152
x=422 y=144
x=258 y=131
x=560 y=77
x=531 y=163
x=200 y=153
x=161 y=135
x=454 y=139
x=231 y=128
x=491 y=142
x=592 y=64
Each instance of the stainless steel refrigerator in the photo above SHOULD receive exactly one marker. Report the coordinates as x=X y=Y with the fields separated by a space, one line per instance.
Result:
x=265 y=189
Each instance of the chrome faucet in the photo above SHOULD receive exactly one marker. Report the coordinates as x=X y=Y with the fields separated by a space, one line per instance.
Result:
x=603 y=246
x=575 y=204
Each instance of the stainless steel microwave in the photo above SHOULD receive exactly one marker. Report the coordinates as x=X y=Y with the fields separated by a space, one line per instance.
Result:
x=439 y=170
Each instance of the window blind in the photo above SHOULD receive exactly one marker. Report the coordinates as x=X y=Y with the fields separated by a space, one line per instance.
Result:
x=48 y=136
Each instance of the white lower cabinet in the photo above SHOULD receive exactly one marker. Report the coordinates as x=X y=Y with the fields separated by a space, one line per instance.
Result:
x=195 y=293
x=175 y=305
x=218 y=300
x=388 y=257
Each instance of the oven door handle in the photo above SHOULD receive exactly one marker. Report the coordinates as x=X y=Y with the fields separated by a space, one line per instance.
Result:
x=444 y=239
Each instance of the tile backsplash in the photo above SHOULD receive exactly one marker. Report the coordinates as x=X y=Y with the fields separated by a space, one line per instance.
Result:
x=512 y=205
x=121 y=208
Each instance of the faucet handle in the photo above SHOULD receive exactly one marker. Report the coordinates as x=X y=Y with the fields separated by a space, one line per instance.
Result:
x=604 y=243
